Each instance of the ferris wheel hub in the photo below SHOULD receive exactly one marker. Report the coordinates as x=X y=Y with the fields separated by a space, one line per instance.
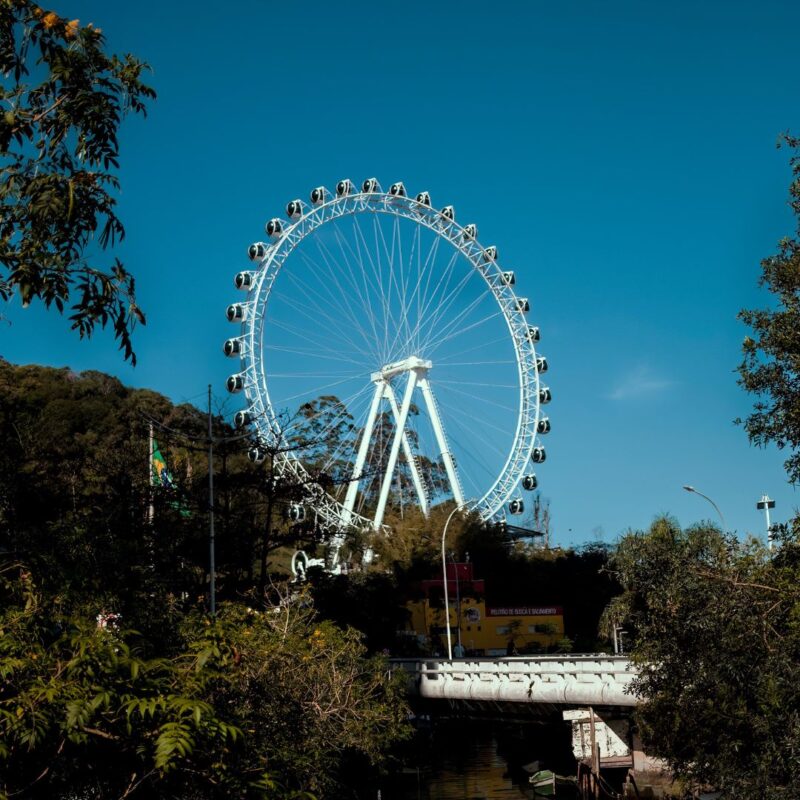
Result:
x=398 y=367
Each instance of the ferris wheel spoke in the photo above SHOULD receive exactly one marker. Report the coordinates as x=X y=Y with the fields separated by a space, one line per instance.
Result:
x=320 y=435
x=315 y=352
x=344 y=411
x=366 y=296
x=397 y=247
x=474 y=427
x=374 y=259
x=456 y=320
x=427 y=271
x=470 y=434
x=316 y=268
x=363 y=247
x=321 y=348
x=345 y=268
x=335 y=324
x=417 y=248
x=446 y=304
x=478 y=397
x=445 y=363
x=464 y=455
x=483 y=423
x=347 y=445
x=422 y=320
x=442 y=284
x=387 y=292
x=481 y=346
x=316 y=390
x=461 y=331
x=301 y=308
x=431 y=262
x=405 y=278
x=478 y=383
x=344 y=301
x=393 y=286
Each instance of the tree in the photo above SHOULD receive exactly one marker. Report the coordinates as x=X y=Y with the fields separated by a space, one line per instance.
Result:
x=83 y=714
x=307 y=695
x=250 y=704
x=714 y=625
x=63 y=100
x=771 y=366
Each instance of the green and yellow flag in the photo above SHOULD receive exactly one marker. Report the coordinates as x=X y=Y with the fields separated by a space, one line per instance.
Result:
x=161 y=475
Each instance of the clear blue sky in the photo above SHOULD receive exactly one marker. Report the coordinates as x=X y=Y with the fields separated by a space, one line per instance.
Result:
x=621 y=155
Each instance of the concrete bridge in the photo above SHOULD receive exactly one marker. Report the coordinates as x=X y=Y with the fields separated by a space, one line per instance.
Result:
x=593 y=690
x=573 y=680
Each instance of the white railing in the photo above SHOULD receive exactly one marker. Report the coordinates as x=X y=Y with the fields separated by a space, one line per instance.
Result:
x=592 y=679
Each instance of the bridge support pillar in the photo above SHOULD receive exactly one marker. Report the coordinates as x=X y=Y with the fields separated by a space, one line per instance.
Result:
x=603 y=741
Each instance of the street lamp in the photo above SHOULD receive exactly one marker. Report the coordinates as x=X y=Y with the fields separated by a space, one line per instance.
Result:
x=706 y=497
x=444 y=579
x=766 y=503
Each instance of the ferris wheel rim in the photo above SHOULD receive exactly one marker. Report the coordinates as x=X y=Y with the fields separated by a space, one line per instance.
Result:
x=355 y=203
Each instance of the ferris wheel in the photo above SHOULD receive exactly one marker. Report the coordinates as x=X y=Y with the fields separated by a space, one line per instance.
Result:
x=386 y=360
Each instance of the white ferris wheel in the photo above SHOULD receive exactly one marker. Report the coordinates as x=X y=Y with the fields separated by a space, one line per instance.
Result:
x=386 y=360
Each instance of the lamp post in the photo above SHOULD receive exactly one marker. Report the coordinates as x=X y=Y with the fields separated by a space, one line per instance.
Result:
x=444 y=579
x=706 y=497
x=458 y=602
x=766 y=503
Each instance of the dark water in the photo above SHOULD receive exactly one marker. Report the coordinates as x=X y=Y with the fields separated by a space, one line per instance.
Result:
x=475 y=760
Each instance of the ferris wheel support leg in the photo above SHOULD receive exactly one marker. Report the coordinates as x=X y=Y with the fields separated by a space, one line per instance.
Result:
x=363 y=448
x=394 y=452
x=412 y=462
x=438 y=430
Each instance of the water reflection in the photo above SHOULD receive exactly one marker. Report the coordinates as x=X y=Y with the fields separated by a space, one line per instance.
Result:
x=473 y=761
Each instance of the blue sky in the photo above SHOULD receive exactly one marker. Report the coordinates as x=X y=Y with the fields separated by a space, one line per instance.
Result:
x=621 y=155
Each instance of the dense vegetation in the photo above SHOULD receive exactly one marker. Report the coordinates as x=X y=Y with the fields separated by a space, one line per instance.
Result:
x=266 y=693
x=716 y=629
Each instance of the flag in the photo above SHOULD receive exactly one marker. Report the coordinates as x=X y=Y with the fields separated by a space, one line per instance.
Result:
x=161 y=475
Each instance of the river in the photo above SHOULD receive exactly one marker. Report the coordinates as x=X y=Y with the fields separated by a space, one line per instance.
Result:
x=478 y=760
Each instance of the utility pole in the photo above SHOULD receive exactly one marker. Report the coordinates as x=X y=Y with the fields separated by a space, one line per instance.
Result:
x=458 y=600
x=150 y=477
x=211 y=544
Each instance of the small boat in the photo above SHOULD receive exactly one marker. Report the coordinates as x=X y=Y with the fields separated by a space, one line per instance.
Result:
x=546 y=783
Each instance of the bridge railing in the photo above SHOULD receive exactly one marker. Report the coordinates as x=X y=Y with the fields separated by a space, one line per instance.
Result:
x=582 y=679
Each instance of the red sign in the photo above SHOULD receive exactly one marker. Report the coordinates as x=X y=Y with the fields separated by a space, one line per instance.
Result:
x=525 y=611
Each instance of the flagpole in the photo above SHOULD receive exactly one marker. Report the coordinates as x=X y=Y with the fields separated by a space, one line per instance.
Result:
x=211 y=555
x=150 y=481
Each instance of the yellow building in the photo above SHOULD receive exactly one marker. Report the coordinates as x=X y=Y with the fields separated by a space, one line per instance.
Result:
x=485 y=630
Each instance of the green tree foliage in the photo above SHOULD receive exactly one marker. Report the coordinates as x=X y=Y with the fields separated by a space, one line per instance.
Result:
x=75 y=497
x=82 y=714
x=715 y=624
x=63 y=101
x=307 y=695
x=323 y=436
x=250 y=704
x=771 y=366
